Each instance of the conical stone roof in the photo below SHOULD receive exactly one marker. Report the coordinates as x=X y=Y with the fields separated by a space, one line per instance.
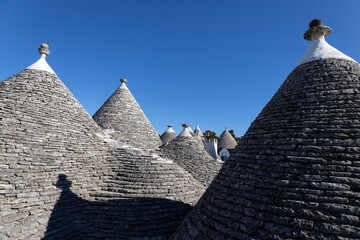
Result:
x=197 y=131
x=168 y=135
x=197 y=138
x=226 y=141
x=122 y=116
x=186 y=151
x=295 y=174
x=145 y=196
x=60 y=179
x=44 y=132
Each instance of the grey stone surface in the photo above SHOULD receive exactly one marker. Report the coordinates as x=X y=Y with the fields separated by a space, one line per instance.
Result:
x=60 y=180
x=295 y=173
x=122 y=114
x=191 y=155
x=196 y=137
x=168 y=135
x=226 y=141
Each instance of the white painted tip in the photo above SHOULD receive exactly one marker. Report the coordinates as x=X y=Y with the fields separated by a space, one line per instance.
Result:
x=185 y=133
x=320 y=49
x=123 y=86
x=170 y=130
x=41 y=65
x=189 y=129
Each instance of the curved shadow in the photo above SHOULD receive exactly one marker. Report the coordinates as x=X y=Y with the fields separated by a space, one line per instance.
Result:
x=137 y=218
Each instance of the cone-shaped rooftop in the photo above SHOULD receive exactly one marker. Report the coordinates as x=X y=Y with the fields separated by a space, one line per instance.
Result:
x=191 y=155
x=197 y=138
x=295 y=173
x=197 y=131
x=226 y=141
x=60 y=179
x=122 y=115
x=44 y=132
x=168 y=135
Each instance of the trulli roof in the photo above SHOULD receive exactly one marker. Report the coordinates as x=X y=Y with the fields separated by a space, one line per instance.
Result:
x=186 y=151
x=60 y=179
x=295 y=174
x=122 y=116
x=168 y=135
x=226 y=141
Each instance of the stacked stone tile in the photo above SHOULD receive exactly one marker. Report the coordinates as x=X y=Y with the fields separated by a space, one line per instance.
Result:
x=122 y=116
x=143 y=196
x=44 y=132
x=186 y=151
x=226 y=141
x=59 y=179
x=296 y=172
x=168 y=135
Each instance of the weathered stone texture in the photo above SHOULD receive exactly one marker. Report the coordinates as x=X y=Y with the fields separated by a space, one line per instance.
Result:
x=191 y=155
x=226 y=141
x=295 y=173
x=122 y=114
x=167 y=137
x=44 y=132
x=59 y=180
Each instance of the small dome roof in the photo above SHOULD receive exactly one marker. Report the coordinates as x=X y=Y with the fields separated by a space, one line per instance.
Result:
x=122 y=116
x=168 y=135
x=197 y=131
x=192 y=133
x=226 y=141
x=186 y=151
x=295 y=173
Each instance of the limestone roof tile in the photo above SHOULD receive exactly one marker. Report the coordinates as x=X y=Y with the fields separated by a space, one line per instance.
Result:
x=122 y=116
x=295 y=173
x=226 y=140
x=168 y=135
x=190 y=154
x=61 y=178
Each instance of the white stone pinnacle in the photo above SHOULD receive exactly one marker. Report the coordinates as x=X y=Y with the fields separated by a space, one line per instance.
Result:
x=319 y=48
x=185 y=132
x=41 y=64
x=170 y=130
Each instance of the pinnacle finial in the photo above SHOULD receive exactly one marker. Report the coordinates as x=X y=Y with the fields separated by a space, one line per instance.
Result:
x=186 y=125
x=315 y=22
x=170 y=126
x=123 y=80
x=225 y=128
x=316 y=30
x=44 y=49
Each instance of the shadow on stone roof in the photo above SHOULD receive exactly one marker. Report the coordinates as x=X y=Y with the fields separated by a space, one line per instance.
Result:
x=76 y=218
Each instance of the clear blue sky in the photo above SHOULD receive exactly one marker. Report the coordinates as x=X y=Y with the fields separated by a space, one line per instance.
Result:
x=213 y=62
